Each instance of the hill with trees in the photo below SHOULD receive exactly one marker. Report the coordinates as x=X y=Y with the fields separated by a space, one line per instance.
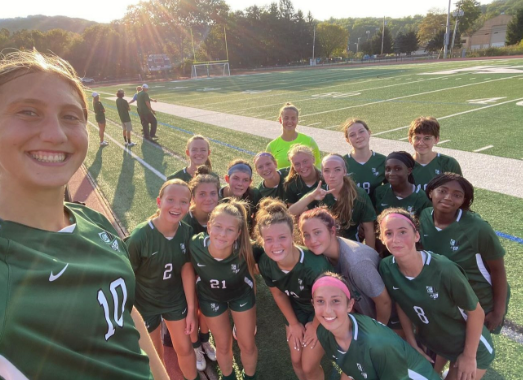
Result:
x=45 y=23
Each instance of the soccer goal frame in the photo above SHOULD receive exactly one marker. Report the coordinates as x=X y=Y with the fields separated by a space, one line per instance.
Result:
x=210 y=69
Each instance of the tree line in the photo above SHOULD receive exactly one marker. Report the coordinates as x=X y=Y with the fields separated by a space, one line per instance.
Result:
x=207 y=30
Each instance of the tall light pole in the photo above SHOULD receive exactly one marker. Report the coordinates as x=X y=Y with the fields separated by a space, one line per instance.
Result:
x=383 y=35
x=447 y=30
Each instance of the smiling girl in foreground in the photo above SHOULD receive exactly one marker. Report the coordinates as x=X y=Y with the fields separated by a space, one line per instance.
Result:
x=289 y=271
x=433 y=294
x=362 y=347
x=164 y=275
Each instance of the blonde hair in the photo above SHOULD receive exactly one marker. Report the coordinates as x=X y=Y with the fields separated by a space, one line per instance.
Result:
x=289 y=106
x=272 y=211
x=349 y=123
x=161 y=193
x=200 y=137
x=238 y=209
x=299 y=148
x=342 y=210
x=16 y=64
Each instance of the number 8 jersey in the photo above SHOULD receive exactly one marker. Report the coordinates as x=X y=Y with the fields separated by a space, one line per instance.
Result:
x=219 y=280
x=65 y=302
x=435 y=301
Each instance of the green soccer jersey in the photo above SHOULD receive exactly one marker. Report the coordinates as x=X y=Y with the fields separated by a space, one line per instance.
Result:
x=193 y=222
x=435 y=302
x=99 y=112
x=219 y=280
x=66 y=300
x=123 y=110
x=279 y=148
x=297 y=283
x=362 y=211
x=376 y=353
x=141 y=103
x=296 y=189
x=252 y=197
x=275 y=192
x=368 y=175
x=469 y=242
x=440 y=164
x=157 y=263
x=184 y=175
x=414 y=203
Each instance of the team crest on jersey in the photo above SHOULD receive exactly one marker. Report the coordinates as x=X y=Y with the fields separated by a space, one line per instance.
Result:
x=215 y=307
x=437 y=171
x=360 y=368
x=454 y=245
x=115 y=245
x=235 y=268
x=300 y=283
x=106 y=237
x=432 y=294
x=375 y=172
x=182 y=247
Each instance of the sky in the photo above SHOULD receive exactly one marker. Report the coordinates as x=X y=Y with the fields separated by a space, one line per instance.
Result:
x=107 y=10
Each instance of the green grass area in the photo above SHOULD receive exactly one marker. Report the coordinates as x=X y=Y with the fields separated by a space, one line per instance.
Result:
x=131 y=188
x=387 y=97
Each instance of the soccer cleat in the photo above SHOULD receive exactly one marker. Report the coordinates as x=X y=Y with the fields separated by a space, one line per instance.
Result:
x=131 y=144
x=234 y=331
x=104 y=143
x=201 y=364
x=210 y=351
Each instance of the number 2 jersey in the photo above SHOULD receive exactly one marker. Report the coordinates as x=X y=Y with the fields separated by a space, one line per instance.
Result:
x=375 y=353
x=435 y=302
x=65 y=302
x=219 y=280
x=157 y=262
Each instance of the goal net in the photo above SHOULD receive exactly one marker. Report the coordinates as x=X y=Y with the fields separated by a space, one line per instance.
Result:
x=210 y=69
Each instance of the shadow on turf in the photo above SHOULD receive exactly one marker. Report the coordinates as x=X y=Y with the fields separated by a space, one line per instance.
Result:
x=96 y=166
x=154 y=157
x=125 y=189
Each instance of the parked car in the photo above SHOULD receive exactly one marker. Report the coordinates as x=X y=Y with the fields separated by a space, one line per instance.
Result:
x=87 y=80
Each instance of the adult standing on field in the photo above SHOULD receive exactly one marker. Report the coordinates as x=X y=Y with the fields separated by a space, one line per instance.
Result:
x=123 y=111
x=143 y=102
x=289 y=115
x=99 y=114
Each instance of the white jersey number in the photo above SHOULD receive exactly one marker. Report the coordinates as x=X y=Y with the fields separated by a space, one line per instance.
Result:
x=118 y=306
x=365 y=186
x=215 y=284
x=168 y=269
x=421 y=314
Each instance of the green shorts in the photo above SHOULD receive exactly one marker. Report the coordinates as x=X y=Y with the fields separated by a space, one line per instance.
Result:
x=498 y=329
x=394 y=320
x=216 y=308
x=485 y=354
x=302 y=316
x=152 y=321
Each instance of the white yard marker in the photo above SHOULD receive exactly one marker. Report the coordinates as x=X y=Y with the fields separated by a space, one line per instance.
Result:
x=484 y=148
x=405 y=138
x=443 y=142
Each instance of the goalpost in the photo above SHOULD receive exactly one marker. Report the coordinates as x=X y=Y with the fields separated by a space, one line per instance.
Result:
x=210 y=69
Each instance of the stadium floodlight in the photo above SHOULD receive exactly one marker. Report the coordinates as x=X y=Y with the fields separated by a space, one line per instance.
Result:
x=210 y=69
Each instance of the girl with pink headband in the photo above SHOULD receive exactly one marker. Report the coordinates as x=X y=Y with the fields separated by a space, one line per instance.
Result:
x=433 y=295
x=362 y=347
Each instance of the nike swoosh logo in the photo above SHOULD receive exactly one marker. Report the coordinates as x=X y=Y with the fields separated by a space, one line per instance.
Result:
x=425 y=235
x=243 y=304
x=154 y=253
x=184 y=310
x=200 y=265
x=384 y=204
x=53 y=277
x=274 y=280
x=395 y=288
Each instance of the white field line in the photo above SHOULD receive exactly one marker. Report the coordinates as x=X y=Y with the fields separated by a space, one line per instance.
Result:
x=484 y=148
x=449 y=116
x=310 y=98
x=410 y=96
x=310 y=125
x=443 y=142
x=332 y=127
x=404 y=138
x=139 y=159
